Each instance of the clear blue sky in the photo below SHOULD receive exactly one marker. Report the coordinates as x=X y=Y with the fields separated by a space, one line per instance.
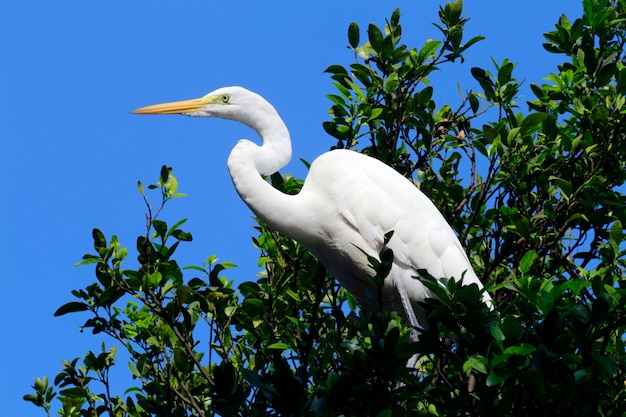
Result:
x=72 y=153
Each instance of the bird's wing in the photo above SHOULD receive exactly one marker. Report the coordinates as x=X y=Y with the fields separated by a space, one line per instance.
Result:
x=359 y=200
x=375 y=199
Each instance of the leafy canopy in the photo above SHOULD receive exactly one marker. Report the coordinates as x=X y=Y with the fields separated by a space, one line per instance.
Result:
x=535 y=192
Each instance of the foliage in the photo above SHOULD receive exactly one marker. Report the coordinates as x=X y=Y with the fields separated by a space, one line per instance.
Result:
x=536 y=197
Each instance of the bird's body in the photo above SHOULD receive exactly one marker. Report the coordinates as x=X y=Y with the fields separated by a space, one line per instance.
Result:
x=352 y=201
x=348 y=203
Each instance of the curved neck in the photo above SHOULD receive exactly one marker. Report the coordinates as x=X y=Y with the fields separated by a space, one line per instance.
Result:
x=248 y=162
x=275 y=152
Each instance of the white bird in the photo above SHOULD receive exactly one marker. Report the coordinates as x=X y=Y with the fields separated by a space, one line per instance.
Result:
x=348 y=203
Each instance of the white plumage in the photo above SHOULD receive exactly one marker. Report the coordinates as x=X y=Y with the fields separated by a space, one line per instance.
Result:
x=348 y=203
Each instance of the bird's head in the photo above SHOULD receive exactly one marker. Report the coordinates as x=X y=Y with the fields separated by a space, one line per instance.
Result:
x=232 y=103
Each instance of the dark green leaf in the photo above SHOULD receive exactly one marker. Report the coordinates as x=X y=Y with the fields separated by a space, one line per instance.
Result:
x=484 y=79
x=76 y=392
x=336 y=69
x=532 y=123
x=165 y=174
x=180 y=235
x=504 y=74
x=375 y=37
x=71 y=307
x=472 y=41
x=395 y=17
x=474 y=103
x=99 y=241
x=160 y=227
x=452 y=12
x=353 y=34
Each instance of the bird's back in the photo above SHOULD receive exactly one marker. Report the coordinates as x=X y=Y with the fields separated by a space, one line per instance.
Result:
x=355 y=201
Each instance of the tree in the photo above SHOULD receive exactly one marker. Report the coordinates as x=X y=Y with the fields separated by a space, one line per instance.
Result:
x=535 y=195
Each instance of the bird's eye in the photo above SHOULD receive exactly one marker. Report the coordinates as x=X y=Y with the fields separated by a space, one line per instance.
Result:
x=225 y=98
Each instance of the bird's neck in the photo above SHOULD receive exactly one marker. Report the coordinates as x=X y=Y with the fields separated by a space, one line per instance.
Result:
x=275 y=151
x=248 y=162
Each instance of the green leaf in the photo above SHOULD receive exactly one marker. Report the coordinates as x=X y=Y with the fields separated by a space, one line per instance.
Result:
x=134 y=370
x=511 y=327
x=474 y=364
x=474 y=103
x=99 y=241
x=472 y=41
x=616 y=235
x=395 y=17
x=171 y=186
x=621 y=81
x=252 y=378
x=452 y=12
x=532 y=123
x=495 y=144
x=434 y=285
x=175 y=226
x=523 y=349
x=181 y=360
x=279 y=346
x=429 y=50
x=293 y=295
x=88 y=259
x=76 y=392
x=392 y=82
x=160 y=227
x=497 y=333
x=151 y=281
x=375 y=37
x=565 y=187
x=494 y=379
x=526 y=261
x=32 y=398
x=110 y=296
x=336 y=69
x=180 y=235
x=337 y=99
x=353 y=34
x=484 y=79
x=71 y=307
x=165 y=175
x=365 y=50
x=375 y=113
x=504 y=74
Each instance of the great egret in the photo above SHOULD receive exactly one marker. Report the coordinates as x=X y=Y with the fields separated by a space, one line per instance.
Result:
x=346 y=206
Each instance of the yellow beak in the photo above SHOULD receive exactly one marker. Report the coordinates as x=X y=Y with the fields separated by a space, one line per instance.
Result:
x=174 y=107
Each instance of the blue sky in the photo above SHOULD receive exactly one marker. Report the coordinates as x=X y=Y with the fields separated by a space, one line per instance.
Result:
x=72 y=153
